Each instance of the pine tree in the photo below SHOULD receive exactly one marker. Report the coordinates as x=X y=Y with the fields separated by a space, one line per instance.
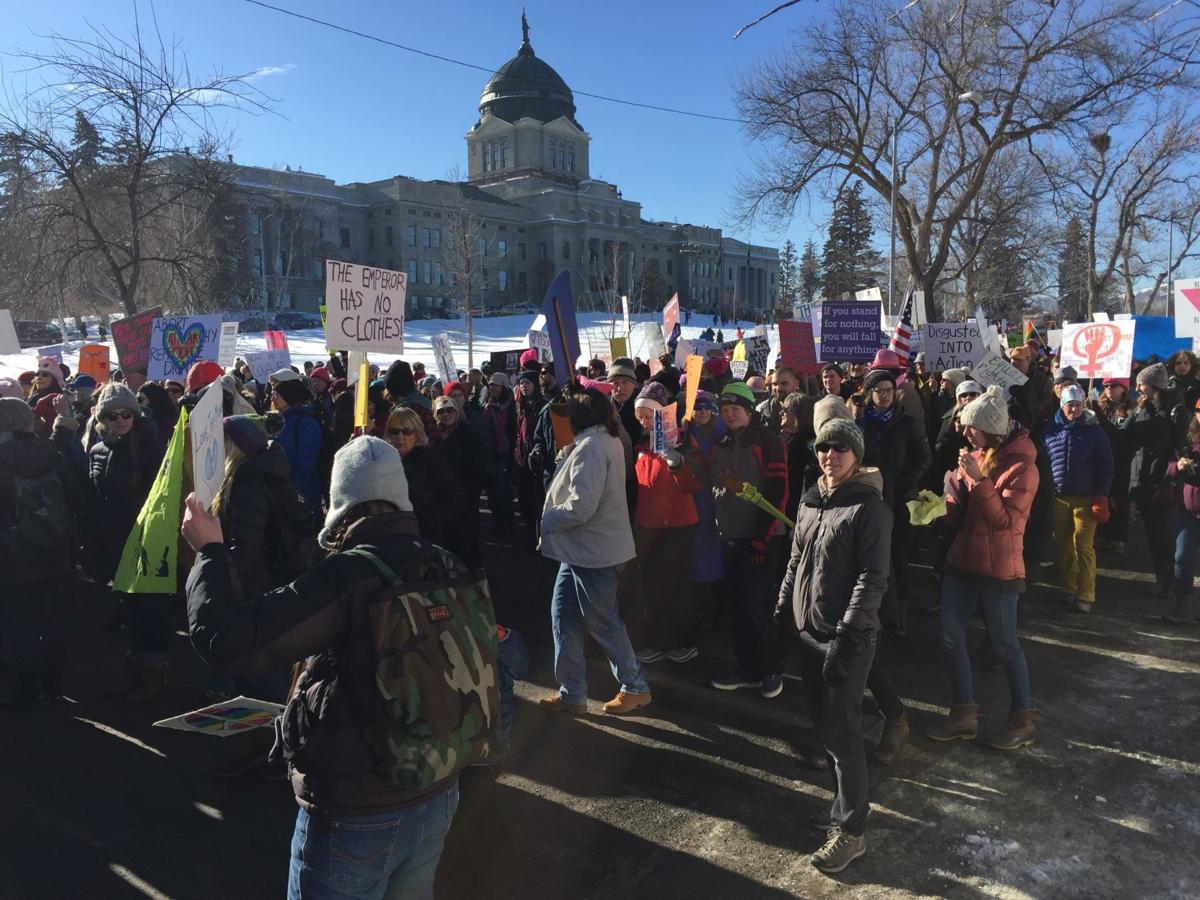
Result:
x=789 y=283
x=849 y=262
x=810 y=272
x=1072 y=274
x=86 y=141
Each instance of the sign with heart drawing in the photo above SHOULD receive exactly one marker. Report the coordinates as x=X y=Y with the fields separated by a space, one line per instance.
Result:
x=179 y=342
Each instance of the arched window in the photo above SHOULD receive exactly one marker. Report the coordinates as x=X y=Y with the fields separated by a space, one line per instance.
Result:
x=571 y=157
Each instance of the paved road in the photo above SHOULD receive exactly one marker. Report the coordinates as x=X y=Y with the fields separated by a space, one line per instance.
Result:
x=702 y=798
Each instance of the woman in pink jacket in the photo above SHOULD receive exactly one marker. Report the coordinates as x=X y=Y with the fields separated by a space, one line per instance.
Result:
x=988 y=499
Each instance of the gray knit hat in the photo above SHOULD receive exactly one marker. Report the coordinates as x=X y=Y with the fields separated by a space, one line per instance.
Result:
x=1155 y=376
x=988 y=412
x=365 y=469
x=15 y=415
x=831 y=407
x=842 y=431
x=114 y=396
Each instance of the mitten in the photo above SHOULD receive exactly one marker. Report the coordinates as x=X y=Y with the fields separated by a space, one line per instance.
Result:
x=1100 y=510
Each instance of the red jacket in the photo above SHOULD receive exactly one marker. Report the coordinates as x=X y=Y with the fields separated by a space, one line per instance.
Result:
x=664 y=497
x=991 y=516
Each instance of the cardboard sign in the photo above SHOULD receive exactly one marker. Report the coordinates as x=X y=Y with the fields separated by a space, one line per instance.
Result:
x=264 y=362
x=443 y=357
x=276 y=340
x=559 y=309
x=953 y=345
x=93 y=360
x=131 y=337
x=694 y=368
x=1099 y=349
x=738 y=369
x=670 y=317
x=1187 y=308
x=618 y=346
x=646 y=341
x=850 y=330
x=1054 y=338
x=226 y=718
x=540 y=341
x=227 y=354
x=995 y=369
x=796 y=347
x=364 y=307
x=179 y=342
x=758 y=351
x=208 y=445
x=9 y=343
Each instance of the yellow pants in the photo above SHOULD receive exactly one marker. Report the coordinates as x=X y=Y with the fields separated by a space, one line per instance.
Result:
x=1074 y=539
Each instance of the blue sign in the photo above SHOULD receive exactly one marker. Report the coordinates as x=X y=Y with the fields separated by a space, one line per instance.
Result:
x=559 y=308
x=850 y=330
x=1156 y=335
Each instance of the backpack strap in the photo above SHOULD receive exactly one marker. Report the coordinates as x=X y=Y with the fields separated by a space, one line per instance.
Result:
x=384 y=569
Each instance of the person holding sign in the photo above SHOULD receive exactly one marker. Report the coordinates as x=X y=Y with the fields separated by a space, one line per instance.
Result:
x=1153 y=437
x=302 y=434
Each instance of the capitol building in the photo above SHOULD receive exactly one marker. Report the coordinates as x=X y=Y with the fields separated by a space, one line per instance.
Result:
x=527 y=210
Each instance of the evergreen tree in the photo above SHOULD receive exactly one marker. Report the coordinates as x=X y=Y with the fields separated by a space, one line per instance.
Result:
x=1073 y=274
x=788 y=275
x=849 y=262
x=810 y=272
x=86 y=141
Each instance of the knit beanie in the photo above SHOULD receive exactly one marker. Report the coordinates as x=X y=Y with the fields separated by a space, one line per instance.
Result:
x=321 y=373
x=48 y=365
x=617 y=370
x=1155 y=376
x=294 y=392
x=988 y=412
x=252 y=433
x=451 y=387
x=10 y=387
x=652 y=396
x=739 y=394
x=830 y=407
x=529 y=359
x=705 y=400
x=114 y=396
x=15 y=415
x=202 y=374
x=399 y=380
x=365 y=469
x=968 y=387
x=82 y=382
x=500 y=378
x=842 y=431
x=1072 y=393
x=875 y=376
x=955 y=377
x=284 y=374
x=1065 y=374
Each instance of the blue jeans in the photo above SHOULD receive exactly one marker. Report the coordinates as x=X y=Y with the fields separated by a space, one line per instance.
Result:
x=960 y=595
x=1187 y=539
x=391 y=855
x=587 y=598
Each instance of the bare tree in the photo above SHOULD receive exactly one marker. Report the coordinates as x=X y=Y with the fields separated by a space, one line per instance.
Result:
x=462 y=256
x=606 y=280
x=125 y=200
x=950 y=84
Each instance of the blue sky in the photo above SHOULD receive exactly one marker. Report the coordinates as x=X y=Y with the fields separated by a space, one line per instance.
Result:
x=353 y=109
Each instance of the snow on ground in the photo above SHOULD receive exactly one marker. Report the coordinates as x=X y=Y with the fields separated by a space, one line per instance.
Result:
x=491 y=334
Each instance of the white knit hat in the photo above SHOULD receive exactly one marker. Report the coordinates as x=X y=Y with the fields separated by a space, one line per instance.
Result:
x=365 y=469
x=988 y=412
x=831 y=407
x=968 y=387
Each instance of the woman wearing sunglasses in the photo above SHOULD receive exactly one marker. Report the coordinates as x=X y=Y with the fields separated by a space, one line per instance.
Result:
x=433 y=489
x=122 y=465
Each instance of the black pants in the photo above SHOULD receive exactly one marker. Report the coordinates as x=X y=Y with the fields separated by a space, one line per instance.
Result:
x=879 y=683
x=753 y=594
x=463 y=537
x=836 y=713
x=901 y=547
x=663 y=589
x=1156 y=515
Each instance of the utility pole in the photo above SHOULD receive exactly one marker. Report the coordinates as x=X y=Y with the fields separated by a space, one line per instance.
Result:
x=892 y=251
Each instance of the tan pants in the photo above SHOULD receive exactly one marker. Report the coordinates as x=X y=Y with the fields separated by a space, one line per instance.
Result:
x=1074 y=540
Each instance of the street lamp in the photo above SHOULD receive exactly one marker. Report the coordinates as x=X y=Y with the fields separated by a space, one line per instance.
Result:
x=968 y=95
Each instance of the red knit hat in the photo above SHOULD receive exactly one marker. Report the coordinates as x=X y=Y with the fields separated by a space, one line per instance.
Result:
x=322 y=373
x=453 y=386
x=202 y=374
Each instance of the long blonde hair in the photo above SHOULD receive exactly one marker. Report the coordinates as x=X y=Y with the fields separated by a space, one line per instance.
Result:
x=405 y=417
x=234 y=458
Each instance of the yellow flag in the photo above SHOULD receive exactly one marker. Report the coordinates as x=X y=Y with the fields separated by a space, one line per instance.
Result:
x=739 y=352
x=360 y=395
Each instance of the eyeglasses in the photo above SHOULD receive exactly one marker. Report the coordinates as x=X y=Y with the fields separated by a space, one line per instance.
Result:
x=122 y=415
x=828 y=447
x=407 y=432
x=883 y=392
x=447 y=411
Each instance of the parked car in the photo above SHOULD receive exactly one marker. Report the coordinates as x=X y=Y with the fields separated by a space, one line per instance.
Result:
x=292 y=320
x=252 y=323
x=37 y=334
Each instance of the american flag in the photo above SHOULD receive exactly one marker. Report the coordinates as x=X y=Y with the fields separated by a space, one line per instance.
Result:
x=904 y=327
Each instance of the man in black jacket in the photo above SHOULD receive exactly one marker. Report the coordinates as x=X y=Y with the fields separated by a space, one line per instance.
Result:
x=463 y=448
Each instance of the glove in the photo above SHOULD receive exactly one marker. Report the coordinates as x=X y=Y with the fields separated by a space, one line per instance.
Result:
x=839 y=653
x=674 y=459
x=758 y=553
x=1100 y=510
x=536 y=462
x=783 y=616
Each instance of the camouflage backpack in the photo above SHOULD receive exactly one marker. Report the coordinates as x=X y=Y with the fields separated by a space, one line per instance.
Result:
x=436 y=703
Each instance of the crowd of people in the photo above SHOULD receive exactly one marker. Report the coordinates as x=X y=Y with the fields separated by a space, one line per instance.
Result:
x=778 y=514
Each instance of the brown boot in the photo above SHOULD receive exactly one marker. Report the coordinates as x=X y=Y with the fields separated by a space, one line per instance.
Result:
x=626 y=702
x=961 y=725
x=895 y=736
x=1017 y=731
x=555 y=704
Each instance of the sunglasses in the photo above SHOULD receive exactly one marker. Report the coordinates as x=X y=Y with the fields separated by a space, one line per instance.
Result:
x=827 y=447
x=407 y=432
x=123 y=415
x=447 y=411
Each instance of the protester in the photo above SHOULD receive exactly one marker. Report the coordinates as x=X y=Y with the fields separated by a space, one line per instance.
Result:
x=433 y=490
x=499 y=439
x=155 y=400
x=1113 y=407
x=302 y=434
x=784 y=383
x=988 y=499
x=833 y=382
x=705 y=570
x=1153 y=442
x=463 y=450
x=528 y=403
x=1187 y=525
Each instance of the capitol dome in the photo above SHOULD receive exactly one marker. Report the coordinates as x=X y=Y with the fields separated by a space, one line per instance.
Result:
x=525 y=86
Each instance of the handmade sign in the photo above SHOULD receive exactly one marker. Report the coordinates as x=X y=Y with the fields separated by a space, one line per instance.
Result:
x=666 y=428
x=646 y=341
x=179 y=342
x=9 y=343
x=796 y=347
x=696 y=347
x=131 y=337
x=227 y=354
x=559 y=309
x=995 y=369
x=364 y=307
x=871 y=293
x=276 y=340
x=694 y=368
x=1187 y=308
x=264 y=362
x=618 y=346
x=93 y=361
x=54 y=352
x=443 y=357
x=508 y=362
x=758 y=350
x=738 y=369
x=226 y=718
x=208 y=445
x=670 y=317
x=850 y=330
x=540 y=341
x=953 y=345
x=1099 y=349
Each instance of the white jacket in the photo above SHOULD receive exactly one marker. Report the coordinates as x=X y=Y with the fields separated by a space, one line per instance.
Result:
x=586 y=518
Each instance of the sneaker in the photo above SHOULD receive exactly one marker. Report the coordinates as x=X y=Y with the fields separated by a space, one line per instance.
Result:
x=650 y=656
x=555 y=704
x=733 y=681
x=772 y=686
x=1082 y=606
x=626 y=702
x=682 y=654
x=841 y=848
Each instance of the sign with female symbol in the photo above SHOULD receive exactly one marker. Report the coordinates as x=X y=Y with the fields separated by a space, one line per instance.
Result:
x=208 y=444
x=1099 y=349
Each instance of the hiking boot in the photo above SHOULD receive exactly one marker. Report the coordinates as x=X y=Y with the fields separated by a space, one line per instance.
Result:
x=1181 y=614
x=555 y=704
x=1017 y=731
x=650 y=656
x=626 y=702
x=841 y=848
x=153 y=683
x=771 y=687
x=962 y=724
x=682 y=654
x=895 y=736
x=733 y=681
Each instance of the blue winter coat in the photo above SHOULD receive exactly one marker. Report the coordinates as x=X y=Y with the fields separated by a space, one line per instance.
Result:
x=301 y=443
x=1080 y=456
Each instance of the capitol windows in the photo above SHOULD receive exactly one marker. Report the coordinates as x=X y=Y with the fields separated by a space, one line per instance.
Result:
x=495 y=155
x=570 y=157
x=554 y=154
x=502 y=280
x=566 y=250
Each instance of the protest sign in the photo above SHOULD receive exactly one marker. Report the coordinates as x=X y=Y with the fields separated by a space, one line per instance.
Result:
x=226 y=718
x=1054 y=338
x=850 y=330
x=276 y=340
x=55 y=352
x=9 y=343
x=131 y=337
x=796 y=347
x=364 y=307
x=1099 y=349
x=540 y=341
x=561 y=425
x=263 y=362
x=670 y=316
x=646 y=341
x=758 y=349
x=995 y=369
x=618 y=346
x=360 y=393
x=670 y=420
x=868 y=295
x=694 y=369
x=443 y=357
x=93 y=361
x=559 y=309
x=227 y=353
x=625 y=312
x=179 y=342
x=1187 y=308
x=695 y=347
x=658 y=440
x=354 y=365
x=208 y=445
x=507 y=361
x=738 y=369
x=953 y=345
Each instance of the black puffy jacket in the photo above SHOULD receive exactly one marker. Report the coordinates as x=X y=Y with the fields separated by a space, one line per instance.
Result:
x=27 y=456
x=433 y=490
x=841 y=557
x=121 y=471
x=1153 y=438
x=903 y=454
